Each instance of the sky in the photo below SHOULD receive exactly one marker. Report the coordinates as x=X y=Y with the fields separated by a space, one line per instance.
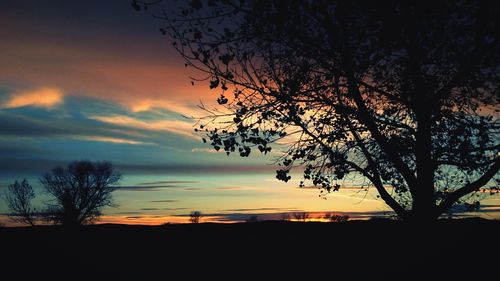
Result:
x=96 y=80
x=97 y=76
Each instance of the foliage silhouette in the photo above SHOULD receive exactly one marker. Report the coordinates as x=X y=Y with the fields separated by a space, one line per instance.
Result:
x=78 y=193
x=301 y=216
x=285 y=217
x=253 y=218
x=401 y=93
x=195 y=217
x=336 y=218
x=18 y=197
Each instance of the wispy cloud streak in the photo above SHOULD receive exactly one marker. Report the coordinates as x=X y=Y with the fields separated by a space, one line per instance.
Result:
x=172 y=126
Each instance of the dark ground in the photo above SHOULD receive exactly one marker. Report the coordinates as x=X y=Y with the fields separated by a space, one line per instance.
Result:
x=357 y=250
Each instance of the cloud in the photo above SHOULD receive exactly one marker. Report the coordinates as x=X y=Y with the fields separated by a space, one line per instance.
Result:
x=207 y=150
x=236 y=188
x=263 y=209
x=139 y=74
x=150 y=104
x=172 y=126
x=68 y=128
x=194 y=168
x=7 y=147
x=41 y=97
x=120 y=59
x=127 y=213
x=164 y=201
x=229 y=188
x=353 y=187
x=165 y=182
x=490 y=208
x=145 y=188
x=115 y=140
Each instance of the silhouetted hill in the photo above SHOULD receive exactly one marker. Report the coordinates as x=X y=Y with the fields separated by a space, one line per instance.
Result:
x=357 y=250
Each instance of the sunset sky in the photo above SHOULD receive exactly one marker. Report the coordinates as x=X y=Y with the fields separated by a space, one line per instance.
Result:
x=96 y=80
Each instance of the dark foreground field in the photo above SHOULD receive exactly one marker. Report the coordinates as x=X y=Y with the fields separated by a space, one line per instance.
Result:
x=364 y=250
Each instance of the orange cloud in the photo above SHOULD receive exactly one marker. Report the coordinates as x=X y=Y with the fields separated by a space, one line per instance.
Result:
x=149 y=104
x=172 y=126
x=207 y=150
x=115 y=140
x=140 y=73
x=42 y=97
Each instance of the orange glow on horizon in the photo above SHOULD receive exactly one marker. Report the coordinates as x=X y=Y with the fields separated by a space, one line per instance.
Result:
x=157 y=220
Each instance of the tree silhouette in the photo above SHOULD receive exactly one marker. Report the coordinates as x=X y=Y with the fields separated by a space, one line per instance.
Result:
x=336 y=218
x=404 y=94
x=253 y=218
x=195 y=217
x=285 y=217
x=301 y=216
x=79 y=191
x=18 y=197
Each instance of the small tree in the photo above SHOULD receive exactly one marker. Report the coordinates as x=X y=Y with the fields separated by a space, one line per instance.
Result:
x=336 y=218
x=18 y=199
x=285 y=217
x=254 y=218
x=195 y=216
x=79 y=191
x=302 y=216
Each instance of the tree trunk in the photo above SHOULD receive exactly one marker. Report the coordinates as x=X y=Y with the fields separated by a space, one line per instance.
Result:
x=424 y=205
x=423 y=211
x=70 y=216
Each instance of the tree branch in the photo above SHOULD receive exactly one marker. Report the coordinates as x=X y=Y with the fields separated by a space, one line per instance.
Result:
x=471 y=187
x=375 y=179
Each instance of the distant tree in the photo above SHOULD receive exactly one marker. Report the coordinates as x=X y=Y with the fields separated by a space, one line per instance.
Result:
x=195 y=217
x=18 y=197
x=285 y=217
x=340 y=218
x=79 y=191
x=404 y=94
x=336 y=218
x=254 y=218
x=301 y=216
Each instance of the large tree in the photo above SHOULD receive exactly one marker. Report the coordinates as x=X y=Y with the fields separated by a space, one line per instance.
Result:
x=79 y=191
x=77 y=194
x=404 y=94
